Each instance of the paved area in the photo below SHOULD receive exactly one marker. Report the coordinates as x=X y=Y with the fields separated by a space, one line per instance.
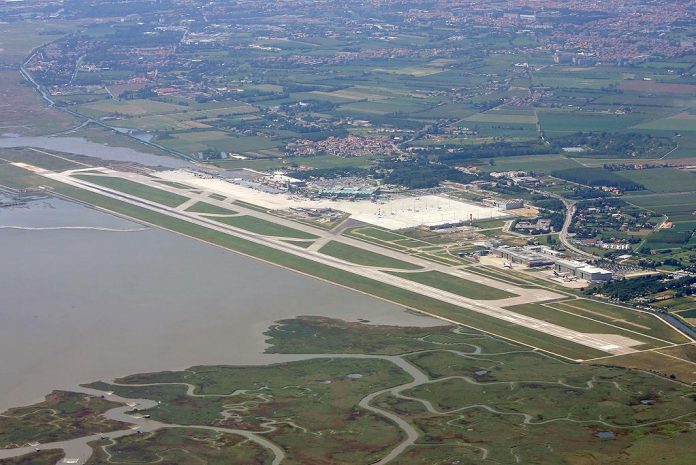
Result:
x=395 y=213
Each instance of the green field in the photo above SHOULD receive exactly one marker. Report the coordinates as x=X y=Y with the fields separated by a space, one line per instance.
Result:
x=130 y=108
x=62 y=415
x=364 y=257
x=137 y=189
x=204 y=207
x=582 y=324
x=624 y=317
x=42 y=159
x=663 y=180
x=45 y=457
x=17 y=178
x=179 y=445
x=558 y=123
x=677 y=206
x=279 y=395
x=192 y=142
x=267 y=228
x=456 y=285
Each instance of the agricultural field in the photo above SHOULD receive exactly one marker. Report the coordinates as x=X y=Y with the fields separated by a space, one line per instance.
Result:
x=23 y=112
x=676 y=206
x=663 y=180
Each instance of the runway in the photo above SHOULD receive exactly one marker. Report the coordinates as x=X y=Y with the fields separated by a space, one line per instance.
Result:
x=610 y=343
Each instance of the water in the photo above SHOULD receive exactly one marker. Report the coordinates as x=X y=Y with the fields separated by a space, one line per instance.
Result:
x=82 y=305
x=80 y=146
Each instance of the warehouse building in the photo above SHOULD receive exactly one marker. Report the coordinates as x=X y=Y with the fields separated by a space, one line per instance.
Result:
x=504 y=204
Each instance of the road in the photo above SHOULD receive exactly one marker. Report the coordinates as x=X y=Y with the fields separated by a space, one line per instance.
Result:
x=563 y=233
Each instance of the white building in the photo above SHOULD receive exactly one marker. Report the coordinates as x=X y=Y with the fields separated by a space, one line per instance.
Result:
x=582 y=270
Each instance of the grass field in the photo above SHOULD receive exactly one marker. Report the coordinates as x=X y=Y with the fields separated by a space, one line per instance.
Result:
x=198 y=141
x=44 y=457
x=501 y=117
x=40 y=158
x=295 y=393
x=686 y=352
x=536 y=163
x=663 y=180
x=364 y=257
x=180 y=445
x=62 y=415
x=624 y=317
x=24 y=112
x=456 y=285
x=655 y=362
x=677 y=206
x=558 y=123
x=17 y=178
x=583 y=323
x=130 y=108
x=267 y=228
x=204 y=207
x=137 y=189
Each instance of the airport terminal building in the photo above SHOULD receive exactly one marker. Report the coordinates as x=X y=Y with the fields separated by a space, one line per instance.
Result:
x=541 y=256
x=582 y=270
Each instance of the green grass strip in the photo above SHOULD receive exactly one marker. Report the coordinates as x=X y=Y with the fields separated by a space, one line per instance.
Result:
x=267 y=228
x=204 y=207
x=135 y=188
x=578 y=323
x=456 y=285
x=364 y=257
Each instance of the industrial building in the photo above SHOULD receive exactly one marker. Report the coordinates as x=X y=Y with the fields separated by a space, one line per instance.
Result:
x=582 y=270
x=504 y=204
